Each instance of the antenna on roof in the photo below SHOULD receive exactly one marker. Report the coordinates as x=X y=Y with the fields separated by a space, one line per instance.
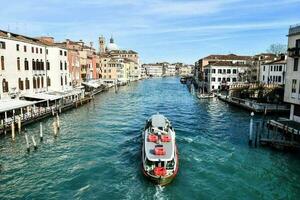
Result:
x=8 y=28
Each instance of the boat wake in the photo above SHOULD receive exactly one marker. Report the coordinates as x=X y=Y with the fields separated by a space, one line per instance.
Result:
x=159 y=193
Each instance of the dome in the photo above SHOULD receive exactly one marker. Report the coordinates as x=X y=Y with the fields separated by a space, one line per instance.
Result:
x=111 y=45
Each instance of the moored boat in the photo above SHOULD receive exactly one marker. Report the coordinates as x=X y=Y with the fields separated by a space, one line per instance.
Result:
x=159 y=153
x=183 y=80
x=205 y=96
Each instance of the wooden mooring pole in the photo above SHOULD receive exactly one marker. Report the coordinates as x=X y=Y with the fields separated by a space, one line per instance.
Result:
x=34 y=143
x=41 y=131
x=13 y=131
x=19 y=124
x=256 y=134
x=27 y=143
x=251 y=129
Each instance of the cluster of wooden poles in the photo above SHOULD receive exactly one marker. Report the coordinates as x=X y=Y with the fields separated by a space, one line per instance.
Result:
x=55 y=125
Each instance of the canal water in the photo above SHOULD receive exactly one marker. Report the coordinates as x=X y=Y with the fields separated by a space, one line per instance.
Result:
x=97 y=152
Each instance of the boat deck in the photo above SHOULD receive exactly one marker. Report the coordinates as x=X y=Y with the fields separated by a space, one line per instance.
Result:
x=158 y=128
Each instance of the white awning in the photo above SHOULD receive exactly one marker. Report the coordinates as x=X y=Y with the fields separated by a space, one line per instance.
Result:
x=11 y=104
x=91 y=84
x=43 y=96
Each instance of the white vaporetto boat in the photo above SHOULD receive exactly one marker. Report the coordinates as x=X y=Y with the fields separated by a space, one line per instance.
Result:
x=159 y=152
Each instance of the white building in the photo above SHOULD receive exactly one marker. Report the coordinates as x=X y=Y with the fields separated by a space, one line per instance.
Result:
x=30 y=65
x=59 y=78
x=143 y=72
x=273 y=72
x=292 y=86
x=186 y=70
x=153 y=70
x=170 y=70
x=220 y=75
x=22 y=65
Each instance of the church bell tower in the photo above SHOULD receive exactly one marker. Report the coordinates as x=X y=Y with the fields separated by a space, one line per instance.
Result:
x=101 y=44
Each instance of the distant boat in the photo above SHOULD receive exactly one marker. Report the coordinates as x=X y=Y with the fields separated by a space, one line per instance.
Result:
x=205 y=96
x=183 y=80
x=159 y=152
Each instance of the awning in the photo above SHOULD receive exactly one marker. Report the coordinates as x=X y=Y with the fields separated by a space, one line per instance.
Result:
x=43 y=96
x=11 y=104
x=91 y=84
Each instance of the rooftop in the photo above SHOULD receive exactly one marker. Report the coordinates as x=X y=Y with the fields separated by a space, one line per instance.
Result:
x=276 y=62
x=227 y=57
x=23 y=38
x=227 y=64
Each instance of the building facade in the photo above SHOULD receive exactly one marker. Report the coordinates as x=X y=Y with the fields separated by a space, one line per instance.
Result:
x=22 y=65
x=153 y=70
x=199 y=65
x=273 y=72
x=221 y=75
x=292 y=86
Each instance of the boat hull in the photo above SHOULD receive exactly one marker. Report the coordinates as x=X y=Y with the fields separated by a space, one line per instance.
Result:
x=162 y=181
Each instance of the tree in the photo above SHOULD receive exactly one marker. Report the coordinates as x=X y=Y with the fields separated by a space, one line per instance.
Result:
x=277 y=49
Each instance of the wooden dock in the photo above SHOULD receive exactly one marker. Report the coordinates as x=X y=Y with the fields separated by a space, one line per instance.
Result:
x=41 y=113
x=280 y=134
x=254 y=106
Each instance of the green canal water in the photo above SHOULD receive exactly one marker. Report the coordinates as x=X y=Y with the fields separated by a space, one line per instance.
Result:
x=97 y=152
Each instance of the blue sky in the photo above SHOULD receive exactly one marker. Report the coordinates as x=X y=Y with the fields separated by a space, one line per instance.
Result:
x=160 y=30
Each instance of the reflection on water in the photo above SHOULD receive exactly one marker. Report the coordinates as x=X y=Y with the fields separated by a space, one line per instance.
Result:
x=97 y=152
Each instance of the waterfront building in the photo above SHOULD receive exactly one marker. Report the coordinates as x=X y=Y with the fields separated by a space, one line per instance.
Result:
x=118 y=64
x=153 y=70
x=186 y=70
x=221 y=75
x=169 y=69
x=22 y=64
x=258 y=61
x=74 y=61
x=273 y=72
x=199 y=65
x=31 y=65
x=143 y=72
x=292 y=84
x=58 y=76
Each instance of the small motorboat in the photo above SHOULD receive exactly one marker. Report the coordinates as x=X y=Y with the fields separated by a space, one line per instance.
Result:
x=205 y=96
x=183 y=80
x=159 y=153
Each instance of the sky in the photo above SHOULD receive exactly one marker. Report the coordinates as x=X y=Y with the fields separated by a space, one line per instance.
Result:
x=159 y=30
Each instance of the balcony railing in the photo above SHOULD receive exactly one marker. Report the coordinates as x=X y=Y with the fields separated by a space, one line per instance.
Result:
x=294 y=52
x=295 y=29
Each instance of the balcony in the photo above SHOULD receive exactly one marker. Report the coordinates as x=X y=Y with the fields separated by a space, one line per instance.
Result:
x=294 y=52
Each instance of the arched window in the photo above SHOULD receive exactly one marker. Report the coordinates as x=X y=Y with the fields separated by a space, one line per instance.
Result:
x=21 y=85
x=2 y=63
x=34 y=83
x=27 y=86
x=4 y=85
x=42 y=65
x=48 y=81
x=61 y=81
x=48 y=65
x=61 y=65
x=18 y=63
x=38 y=82
x=42 y=81
x=38 y=65
x=66 y=80
x=26 y=64
x=65 y=65
x=33 y=65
